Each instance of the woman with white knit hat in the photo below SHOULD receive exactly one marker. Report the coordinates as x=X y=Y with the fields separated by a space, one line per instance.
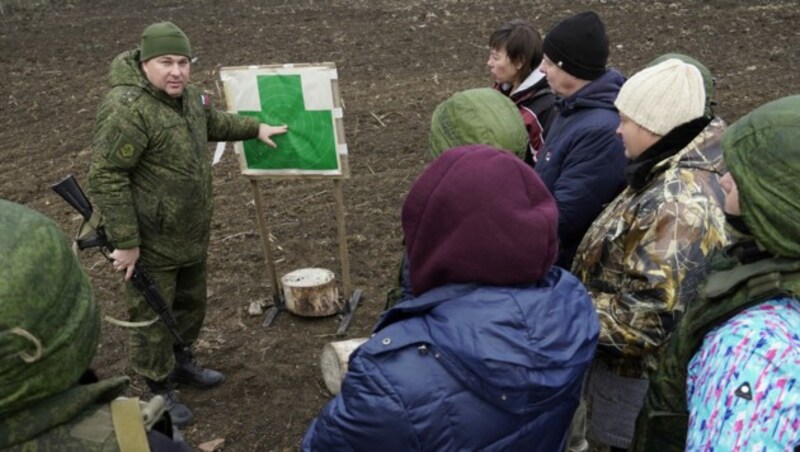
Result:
x=644 y=255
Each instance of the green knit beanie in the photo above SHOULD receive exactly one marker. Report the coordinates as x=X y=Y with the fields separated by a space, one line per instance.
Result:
x=49 y=323
x=478 y=116
x=709 y=81
x=762 y=151
x=164 y=38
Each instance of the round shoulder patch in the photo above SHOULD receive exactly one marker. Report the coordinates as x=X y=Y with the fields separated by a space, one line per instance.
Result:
x=126 y=150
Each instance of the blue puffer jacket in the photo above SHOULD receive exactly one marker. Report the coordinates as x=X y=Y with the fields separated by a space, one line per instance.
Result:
x=466 y=367
x=583 y=160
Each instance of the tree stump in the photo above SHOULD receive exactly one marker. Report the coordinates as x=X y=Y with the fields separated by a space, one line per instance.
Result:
x=334 y=360
x=311 y=292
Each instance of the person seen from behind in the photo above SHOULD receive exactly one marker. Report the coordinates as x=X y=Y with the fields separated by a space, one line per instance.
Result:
x=473 y=116
x=50 y=400
x=490 y=351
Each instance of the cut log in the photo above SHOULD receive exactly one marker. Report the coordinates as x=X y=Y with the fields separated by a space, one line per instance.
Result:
x=333 y=362
x=311 y=292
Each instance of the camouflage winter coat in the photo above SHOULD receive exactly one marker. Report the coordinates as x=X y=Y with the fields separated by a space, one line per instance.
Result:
x=151 y=171
x=644 y=256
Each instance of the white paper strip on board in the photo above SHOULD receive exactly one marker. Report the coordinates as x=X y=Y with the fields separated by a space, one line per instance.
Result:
x=218 y=153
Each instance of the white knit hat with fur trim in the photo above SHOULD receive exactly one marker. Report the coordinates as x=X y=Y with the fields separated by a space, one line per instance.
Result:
x=662 y=97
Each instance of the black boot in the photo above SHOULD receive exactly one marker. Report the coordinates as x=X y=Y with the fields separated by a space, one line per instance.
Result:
x=180 y=414
x=188 y=372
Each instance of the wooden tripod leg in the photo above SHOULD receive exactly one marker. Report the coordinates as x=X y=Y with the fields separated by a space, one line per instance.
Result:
x=267 y=247
x=346 y=284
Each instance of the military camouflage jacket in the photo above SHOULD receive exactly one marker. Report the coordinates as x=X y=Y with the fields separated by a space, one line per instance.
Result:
x=75 y=420
x=645 y=255
x=151 y=171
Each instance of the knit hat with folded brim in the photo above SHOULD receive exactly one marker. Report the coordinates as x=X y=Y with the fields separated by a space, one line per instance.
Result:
x=478 y=116
x=762 y=152
x=662 y=97
x=164 y=38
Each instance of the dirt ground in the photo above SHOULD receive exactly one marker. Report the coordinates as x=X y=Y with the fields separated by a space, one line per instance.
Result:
x=397 y=60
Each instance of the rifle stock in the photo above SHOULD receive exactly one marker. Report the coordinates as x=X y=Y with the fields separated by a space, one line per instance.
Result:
x=72 y=193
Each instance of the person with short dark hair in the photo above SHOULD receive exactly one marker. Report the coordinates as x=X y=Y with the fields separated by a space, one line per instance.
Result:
x=490 y=351
x=514 y=58
x=150 y=179
x=583 y=160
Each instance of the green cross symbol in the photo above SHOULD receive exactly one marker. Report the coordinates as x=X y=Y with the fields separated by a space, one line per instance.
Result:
x=308 y=145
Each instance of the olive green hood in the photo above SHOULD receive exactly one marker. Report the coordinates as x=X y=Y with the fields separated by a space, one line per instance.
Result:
x=49 y=323
x=762 y=151
x=478 y=116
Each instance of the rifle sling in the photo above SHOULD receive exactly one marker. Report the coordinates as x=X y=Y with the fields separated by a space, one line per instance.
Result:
x=129 y=425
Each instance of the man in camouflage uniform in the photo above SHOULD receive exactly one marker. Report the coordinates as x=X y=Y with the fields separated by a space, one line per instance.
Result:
x=151 y=180
x=644 y=255
x=49 y=329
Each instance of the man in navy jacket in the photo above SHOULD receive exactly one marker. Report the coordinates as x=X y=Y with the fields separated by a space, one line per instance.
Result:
x=583 y=160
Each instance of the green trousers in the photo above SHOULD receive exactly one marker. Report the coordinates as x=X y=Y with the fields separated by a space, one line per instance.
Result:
x=184 y=291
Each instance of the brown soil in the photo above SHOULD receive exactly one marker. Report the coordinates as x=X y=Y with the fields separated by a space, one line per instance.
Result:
x=397 y=60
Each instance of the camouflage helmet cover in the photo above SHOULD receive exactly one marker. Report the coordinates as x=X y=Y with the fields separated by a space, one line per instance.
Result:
x=49 y=323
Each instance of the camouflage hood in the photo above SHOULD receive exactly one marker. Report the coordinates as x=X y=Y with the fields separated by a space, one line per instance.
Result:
x=762 y=151
x=49 y=323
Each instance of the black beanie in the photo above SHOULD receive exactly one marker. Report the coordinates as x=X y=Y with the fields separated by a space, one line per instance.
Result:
x=579 y=45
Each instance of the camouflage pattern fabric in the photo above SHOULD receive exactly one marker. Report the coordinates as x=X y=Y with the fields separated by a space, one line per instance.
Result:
x=151 y=180
x=151 y=173
x=49 y=327
x=75 y=420
x=150 y=347
x=49 y=323
x=761 y=150
x=644 y=256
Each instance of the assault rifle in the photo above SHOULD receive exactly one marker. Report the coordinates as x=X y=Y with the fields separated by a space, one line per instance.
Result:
x=92 y=234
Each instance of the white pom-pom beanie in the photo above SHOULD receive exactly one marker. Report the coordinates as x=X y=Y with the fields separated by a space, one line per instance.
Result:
x=662 y=97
